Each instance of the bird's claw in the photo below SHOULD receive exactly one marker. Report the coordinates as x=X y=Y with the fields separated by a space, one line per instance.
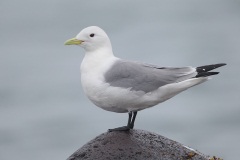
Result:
x=124 y=128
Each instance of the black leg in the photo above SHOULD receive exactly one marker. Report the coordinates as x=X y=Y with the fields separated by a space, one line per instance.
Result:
x=129 y=118
x=124 y=128
x=133 y=120
x=130 y=125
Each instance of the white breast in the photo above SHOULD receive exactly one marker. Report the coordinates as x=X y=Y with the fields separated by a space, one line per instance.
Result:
x=93 y=68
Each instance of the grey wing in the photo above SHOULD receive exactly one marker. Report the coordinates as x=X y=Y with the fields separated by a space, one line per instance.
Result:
x=144 y=77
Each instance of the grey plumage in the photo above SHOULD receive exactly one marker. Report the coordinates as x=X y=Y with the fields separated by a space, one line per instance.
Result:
x=145 y=77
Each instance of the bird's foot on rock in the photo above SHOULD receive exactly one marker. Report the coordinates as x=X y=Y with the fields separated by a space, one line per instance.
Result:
x=124 y=128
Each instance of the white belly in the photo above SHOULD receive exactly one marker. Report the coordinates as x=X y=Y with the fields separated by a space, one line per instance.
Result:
x=109 y=98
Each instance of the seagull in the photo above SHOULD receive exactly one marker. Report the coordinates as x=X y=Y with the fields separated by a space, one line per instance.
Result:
x=124 y=86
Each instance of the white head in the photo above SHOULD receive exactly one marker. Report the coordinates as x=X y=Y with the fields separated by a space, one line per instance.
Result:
x=91 y=38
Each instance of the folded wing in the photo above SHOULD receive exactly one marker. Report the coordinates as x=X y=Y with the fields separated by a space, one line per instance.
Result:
x=145 y=77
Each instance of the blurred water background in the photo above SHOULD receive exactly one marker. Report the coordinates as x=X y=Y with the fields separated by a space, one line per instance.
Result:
x=44 y=113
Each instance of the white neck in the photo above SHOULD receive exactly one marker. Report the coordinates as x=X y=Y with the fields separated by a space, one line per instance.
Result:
x=94 y=60
x=98 y=55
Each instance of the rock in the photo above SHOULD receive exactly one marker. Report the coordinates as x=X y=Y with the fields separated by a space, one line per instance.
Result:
x=135 y=145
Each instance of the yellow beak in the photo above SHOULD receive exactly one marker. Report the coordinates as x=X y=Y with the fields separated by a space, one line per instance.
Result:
x=73 y=41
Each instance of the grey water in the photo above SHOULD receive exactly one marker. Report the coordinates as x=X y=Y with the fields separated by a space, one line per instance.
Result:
x=44 y=113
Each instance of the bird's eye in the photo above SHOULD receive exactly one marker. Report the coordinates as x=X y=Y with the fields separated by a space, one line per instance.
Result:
x=92 y=35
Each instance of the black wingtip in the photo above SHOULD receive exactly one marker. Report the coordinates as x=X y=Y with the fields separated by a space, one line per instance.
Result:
x=209 y=67
x=220 y=64
x=206 y=74
x=203 y=71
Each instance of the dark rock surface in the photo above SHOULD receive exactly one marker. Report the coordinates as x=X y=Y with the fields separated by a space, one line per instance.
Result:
x=135 y=145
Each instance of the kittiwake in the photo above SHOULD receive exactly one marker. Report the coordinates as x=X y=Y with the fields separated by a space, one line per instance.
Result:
x=118 y=85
